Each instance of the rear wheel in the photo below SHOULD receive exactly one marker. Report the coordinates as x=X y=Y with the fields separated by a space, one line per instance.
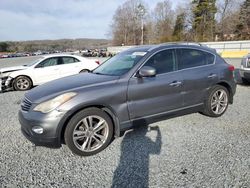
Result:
x=22 y=83
x=217 y=101
x=89 y=132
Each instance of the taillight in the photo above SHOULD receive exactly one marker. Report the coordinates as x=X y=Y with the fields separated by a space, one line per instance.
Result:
x=98 y=62
x=231 y=68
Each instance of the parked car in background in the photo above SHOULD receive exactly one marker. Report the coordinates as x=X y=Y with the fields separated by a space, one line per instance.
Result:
x=45 y=69
x=146 y=84
x=245 y=69
x=4 y=56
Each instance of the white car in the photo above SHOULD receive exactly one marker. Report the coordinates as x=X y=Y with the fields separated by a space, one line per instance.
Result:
x=43 y=70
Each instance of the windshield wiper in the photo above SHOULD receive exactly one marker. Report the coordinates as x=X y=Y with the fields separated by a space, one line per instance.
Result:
x=98 y=73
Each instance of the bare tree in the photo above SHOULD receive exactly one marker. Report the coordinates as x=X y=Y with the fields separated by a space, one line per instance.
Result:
x=163 y=22
x=227 y=16
x=126 y=26
x=242 y=29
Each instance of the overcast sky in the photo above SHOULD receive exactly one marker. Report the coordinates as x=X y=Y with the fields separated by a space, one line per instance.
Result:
x=57 y=19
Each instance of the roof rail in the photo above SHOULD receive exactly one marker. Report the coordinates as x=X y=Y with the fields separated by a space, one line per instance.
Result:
x=183 y=43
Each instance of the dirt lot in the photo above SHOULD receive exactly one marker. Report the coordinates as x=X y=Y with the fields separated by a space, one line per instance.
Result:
x=189 y=151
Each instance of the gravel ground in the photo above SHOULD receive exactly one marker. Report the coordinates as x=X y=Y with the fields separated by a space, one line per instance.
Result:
x=188 y=151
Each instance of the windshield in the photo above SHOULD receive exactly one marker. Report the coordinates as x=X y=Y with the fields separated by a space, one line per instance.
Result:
x=33 y=63
x=120 y=64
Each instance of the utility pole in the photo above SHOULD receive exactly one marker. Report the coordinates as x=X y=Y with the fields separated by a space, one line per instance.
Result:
x=141 y=12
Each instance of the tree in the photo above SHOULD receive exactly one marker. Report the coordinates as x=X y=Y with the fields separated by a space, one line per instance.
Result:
x=162 y=18
x=4 y=46
x=178 y=34
x=126 y=26
x=228 y=17
x=243 y=28
x=204 y=19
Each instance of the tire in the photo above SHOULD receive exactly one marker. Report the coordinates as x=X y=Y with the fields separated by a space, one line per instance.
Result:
x=80 y=134
x=245 y=81
x=217 y=102
x=84 y=71
x=22 y=83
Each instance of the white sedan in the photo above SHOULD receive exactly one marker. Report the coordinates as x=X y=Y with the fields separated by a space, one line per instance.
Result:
x=43 y=70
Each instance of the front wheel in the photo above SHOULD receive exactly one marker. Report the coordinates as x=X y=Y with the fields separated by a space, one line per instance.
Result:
x=22 y=83
x=84 y=71
x=217 y=101
x=88 y=132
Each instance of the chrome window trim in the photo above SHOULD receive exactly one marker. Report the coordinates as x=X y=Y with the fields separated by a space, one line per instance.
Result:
x=171 y=48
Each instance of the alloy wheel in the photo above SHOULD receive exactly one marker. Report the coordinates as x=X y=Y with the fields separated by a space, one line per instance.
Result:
x=219 y=101
x=90 y=133
x=22 y=84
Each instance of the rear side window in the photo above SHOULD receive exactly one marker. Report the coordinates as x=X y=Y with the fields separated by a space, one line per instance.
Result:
x=68 y=60
x=188 y=58
x=163 y=61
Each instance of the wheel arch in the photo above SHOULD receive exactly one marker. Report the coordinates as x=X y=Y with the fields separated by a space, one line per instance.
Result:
x=230 y=91
x=32 y=82
x=86 y=69
x=108 y=110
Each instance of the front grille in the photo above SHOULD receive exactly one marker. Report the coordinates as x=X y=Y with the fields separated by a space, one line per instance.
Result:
x=4 y=79
x=25 y=105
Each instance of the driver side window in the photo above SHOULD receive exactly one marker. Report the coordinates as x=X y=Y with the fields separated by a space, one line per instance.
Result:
x=48 y=62
x=163 y=61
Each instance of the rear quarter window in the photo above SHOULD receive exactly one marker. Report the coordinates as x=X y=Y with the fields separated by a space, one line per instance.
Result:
x=68 y=60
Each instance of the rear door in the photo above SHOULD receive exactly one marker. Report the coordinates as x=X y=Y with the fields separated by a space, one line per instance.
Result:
x=155 y=95
x=69 y=66
x=199 y=74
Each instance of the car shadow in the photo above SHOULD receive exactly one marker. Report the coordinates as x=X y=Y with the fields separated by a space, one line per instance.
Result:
x=136 y=148
x=238 y=78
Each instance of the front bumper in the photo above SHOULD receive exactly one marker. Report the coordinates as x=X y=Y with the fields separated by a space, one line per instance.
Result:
x=5 y=83
x=49 y=123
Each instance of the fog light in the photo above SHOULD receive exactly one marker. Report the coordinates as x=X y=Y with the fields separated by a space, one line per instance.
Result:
x=37 y=130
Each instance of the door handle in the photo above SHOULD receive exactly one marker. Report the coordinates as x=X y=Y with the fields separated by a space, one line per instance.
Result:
x=175 y=83
x=212 y=76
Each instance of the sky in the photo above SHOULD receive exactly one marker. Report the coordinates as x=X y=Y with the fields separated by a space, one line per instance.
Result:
x=59 y=19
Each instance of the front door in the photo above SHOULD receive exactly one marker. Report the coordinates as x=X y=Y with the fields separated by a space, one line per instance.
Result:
x=155 y=95
x=47 y=70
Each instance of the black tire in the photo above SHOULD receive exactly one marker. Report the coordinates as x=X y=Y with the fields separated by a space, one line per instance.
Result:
x=245 y=81
x=74 y=126
x=22 y=83
x=208 y=109
x=84 y=71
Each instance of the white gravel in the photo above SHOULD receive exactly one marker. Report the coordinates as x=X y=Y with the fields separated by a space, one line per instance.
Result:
x=188 y=151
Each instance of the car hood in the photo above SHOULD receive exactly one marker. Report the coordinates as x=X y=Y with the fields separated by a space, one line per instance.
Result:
x=66 y=84
x=11 y=69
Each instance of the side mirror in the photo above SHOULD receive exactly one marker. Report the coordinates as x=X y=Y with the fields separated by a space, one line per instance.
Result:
x=147 y=71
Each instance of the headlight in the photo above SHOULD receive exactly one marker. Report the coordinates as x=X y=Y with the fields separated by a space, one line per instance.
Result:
x=52 y=104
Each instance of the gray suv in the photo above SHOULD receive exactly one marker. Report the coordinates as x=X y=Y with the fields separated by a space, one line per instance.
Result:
x=245 y=69
x=142 y=84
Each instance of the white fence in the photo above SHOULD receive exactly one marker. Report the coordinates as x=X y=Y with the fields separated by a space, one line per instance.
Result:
x=219 y=46
x=229 y=45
